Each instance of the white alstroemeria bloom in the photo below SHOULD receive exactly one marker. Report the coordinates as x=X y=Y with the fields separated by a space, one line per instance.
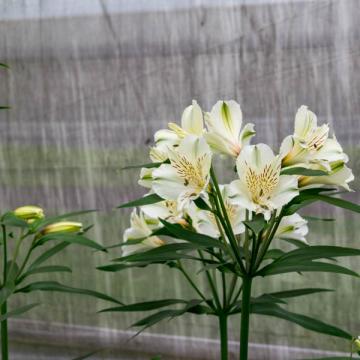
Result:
x=339 y=175
x=187 y=175
x=166 y=210
x=260 y=187
x=292 y=227
x=310 y=143
x=141 y=228
x=205 y=222
x=192 y=123
x=224 y=124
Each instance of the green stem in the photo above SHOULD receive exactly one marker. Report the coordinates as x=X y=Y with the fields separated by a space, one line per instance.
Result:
x=245 y=317
x=193 y=285
x=228 y=227
x=223 y=336
x=211 y=283
x=4 y=325
x=231 y=289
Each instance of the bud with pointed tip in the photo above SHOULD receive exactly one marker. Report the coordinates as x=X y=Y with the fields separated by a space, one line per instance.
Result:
x=29 y=213
x=63 y=227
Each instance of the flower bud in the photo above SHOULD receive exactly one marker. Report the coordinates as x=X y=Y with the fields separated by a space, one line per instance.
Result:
x=357 y=343
x=29 y=213
x=63 y=226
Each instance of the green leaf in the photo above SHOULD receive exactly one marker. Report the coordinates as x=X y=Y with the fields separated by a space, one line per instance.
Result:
x=71 y=239
x=6 y=291
x=145 y=306
x=44 y=269
x=145 y=200
x=201 y=204
x=147 y=166
x=298 y=292
x=48 y=254
x=120 y=267
x=9 y=219
x=12 y=270
x=315 y=218
x=317 y=252
x=295 y=242
x=309 y=266
x=86 y=356
x=18 y=311
x=179 y=232
x=55 y=286
x=303 y=172
x=257 y=224
x=273 y=254
x=162 y=253
x=344 y=204
x=4 y=66
x=5 y=107
x=306 y=322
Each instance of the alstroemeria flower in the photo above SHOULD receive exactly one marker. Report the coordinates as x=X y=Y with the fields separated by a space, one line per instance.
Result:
x=260 y=187
x=339 y=175
x=224 y=124
x=166 y=210
x=187 y=175
x=310 y=143
x=292 y=227
x=192 y=123
x=141 y=228
x=205 y=222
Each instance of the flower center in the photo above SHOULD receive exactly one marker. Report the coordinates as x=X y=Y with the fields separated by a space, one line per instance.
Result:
x=192 y=174
x=261 y=185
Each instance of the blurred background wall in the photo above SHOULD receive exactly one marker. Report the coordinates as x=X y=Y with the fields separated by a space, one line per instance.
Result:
x=90 y=82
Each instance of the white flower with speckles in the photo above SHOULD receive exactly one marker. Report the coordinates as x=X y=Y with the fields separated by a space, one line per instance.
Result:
x=187 y=175
x=192 y=123
x=205 y=222
x=292 y=227
x=339 y=175
x=141 y=229
x=260 y=187
x=310 y=143
x=224 y=124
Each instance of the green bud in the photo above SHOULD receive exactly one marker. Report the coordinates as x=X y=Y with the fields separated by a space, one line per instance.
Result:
x=29 y=213
x=63 y=227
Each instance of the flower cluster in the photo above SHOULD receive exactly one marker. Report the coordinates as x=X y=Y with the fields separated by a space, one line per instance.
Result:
x=265 y=182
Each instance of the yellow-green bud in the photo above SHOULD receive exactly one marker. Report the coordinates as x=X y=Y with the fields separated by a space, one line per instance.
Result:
x=63 y=226
x=357 y=343
x=29 y=213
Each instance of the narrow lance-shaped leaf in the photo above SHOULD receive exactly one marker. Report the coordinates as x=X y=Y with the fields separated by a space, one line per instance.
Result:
x=180 y=233
x=146 y=200
x=303 y=172
x=19 y=311
x=306 y=322
x=147 y=166
x=55 y=286
x=42 y=270
x=145 y=306
x=298 y=292
x=48 y=254
x=70 y=238
x=309 y=266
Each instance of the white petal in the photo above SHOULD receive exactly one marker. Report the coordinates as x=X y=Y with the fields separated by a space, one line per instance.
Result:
x=246 y=134
x=226 y=119
x=146 y=177
x=166 y=182
x=305 y=122
x=192 y=119
x=239 y=195
x=286 y=190
x=255 y=156
x=220 y=144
